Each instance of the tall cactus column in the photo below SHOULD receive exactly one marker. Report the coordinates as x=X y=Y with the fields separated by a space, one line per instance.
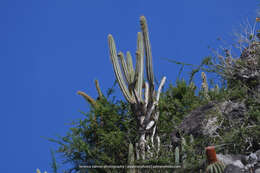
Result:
x=144 y=105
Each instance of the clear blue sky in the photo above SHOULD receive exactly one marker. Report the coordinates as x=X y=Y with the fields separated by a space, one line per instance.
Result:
x=50 y=49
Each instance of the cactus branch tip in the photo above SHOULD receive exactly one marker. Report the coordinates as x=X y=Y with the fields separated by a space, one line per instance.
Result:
x=110 y=37
x=120 y=53
x=142 y=19
x=79 y=92
x=143 y=22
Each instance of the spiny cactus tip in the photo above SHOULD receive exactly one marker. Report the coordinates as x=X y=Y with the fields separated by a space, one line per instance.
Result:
x=109 y=36
x=142 y=19
x=120 y=53
x=80 y=93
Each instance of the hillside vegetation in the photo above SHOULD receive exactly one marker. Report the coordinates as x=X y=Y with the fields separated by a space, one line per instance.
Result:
x=175 y=129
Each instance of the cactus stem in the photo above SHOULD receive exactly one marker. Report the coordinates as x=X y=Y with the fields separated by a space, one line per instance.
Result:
x=98 y=89
x=87 y=98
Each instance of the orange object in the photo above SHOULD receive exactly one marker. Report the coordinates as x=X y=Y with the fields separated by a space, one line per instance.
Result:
x=257 y=19
x=211 y=154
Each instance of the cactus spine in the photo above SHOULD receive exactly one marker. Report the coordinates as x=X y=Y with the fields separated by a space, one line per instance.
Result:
x=131 y=82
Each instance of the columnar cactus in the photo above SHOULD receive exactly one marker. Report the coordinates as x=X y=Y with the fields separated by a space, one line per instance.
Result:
x=131 y=82
x=177 y=155
x=131 y=158
x=205 y=87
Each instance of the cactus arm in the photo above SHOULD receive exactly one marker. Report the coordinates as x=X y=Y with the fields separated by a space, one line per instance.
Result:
x=130 y=67
x=149 y=112
x=124 y=66
x=98 y=89
x=149 y=125
x=205 y=86
x=155 y=103
x=140 y=55
x=137 y=100
x=87 y=98
x=160 y=88
x=152 y=136
x=117 y=70
x=148 y=54
x=137 y=151
x=139 y=75
x=131 y=158
x=177 y=156
x=146 y=94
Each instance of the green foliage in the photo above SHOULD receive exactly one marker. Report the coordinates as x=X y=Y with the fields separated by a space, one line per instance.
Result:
x=54 y=165
x=175 y=103
x=106 y=134
x=101 y=138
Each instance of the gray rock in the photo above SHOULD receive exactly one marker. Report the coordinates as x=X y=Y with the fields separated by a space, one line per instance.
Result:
x=203 y=121
x=232 y=169
x=257 y=153
x=252 y=158
x=231 y=160
x=257 y=170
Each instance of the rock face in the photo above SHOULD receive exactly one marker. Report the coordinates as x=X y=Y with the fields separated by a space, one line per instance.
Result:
x=204 y=121
x=232 y=169
x=235 y=160
x=241 y=163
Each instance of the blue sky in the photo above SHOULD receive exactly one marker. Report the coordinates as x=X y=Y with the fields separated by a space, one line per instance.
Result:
x=51 y=49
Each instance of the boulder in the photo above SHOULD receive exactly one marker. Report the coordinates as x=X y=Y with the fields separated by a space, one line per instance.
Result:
x=232 y=169
x=204 y=120
x=235 y=160
x=257 y=170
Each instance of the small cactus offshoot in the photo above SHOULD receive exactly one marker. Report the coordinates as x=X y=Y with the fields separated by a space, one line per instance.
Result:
x=177 y=156
x=205 y=87
x=90 y=99
x=131 y=158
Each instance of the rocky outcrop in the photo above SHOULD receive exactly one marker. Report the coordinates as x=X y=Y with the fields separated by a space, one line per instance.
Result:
x=232 y=169
x=241 y=163
x=206 y=120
